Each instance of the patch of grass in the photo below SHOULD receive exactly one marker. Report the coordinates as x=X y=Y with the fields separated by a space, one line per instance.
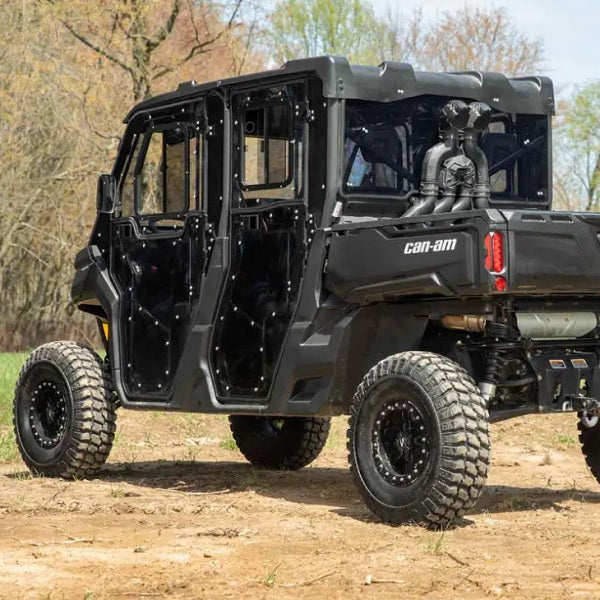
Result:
x=228 y=443
x=272 y=576
x=435 y=545
x=116 y=493
x=8 y=449
x=10 y=365
x=565 y=439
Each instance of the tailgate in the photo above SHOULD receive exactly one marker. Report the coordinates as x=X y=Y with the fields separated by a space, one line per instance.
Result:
x=553 y=252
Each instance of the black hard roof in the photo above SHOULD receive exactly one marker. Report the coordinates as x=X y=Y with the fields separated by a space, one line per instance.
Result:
x=388 y=82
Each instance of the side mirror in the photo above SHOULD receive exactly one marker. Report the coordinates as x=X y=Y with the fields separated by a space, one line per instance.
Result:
x=106 y=193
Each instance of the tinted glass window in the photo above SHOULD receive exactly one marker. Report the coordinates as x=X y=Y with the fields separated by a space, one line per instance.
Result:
x=266 y=151
x=385 y=145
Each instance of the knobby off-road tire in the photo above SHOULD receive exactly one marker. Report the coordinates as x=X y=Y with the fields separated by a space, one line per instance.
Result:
x=281 y=442
x=64 y=411
x=589 y=437
x=418 y=440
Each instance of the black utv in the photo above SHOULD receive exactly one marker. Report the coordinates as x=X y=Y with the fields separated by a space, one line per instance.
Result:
x=327 y=239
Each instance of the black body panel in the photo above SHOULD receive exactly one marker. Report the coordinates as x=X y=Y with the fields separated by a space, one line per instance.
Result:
x=553 y=252
x=390 y=260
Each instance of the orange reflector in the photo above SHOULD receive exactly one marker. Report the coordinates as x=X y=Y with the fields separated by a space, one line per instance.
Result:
x=105 y=330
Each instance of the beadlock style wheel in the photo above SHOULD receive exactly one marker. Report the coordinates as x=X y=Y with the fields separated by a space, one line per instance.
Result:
x=418 y=441
x=64 y=411
x=400 y=443
x=48 y=407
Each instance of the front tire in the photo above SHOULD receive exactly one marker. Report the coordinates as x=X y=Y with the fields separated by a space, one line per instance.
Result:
x=64 y=411
x=418 y=440
x=280 y=442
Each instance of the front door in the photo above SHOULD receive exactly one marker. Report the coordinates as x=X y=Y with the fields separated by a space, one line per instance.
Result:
x=158 y=249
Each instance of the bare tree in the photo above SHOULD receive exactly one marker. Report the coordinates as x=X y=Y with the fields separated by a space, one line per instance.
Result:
x=131 y=34
x=480 y=39
x=577 y=156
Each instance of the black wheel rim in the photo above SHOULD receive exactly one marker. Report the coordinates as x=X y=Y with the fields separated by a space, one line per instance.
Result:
x=401 y=443
x=45 y=410
x=47 y=414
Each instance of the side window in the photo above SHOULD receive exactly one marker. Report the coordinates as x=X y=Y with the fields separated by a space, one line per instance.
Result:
x=127 y=185
x=271 y=135
x=267 y=137
x=163 y=173
x=499 y=179
x=161 y=181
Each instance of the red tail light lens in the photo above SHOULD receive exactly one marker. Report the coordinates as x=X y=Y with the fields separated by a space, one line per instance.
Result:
x=494 y=252
x=497 y=252
x=488 y=251
x=500 y=283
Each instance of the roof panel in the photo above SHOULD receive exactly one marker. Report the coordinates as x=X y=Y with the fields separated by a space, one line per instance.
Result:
x=388 y=82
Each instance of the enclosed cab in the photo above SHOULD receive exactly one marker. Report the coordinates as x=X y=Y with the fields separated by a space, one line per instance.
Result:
x=328 y=239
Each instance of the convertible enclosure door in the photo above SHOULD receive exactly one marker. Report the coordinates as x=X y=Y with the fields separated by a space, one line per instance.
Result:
x=160 y=276
x=159 y=248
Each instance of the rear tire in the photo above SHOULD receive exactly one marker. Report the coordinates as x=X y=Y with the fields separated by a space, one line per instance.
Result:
x=418 y=440
x=64 y=411
x=280 y=442
x=589 y=437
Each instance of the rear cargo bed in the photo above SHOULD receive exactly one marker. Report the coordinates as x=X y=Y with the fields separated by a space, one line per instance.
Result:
x=553 y=252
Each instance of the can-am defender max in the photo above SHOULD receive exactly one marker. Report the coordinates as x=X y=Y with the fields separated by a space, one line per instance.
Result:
x=326 y=239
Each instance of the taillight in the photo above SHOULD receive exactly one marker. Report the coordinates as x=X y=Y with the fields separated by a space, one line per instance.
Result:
x=488 y=251
x=500 y=283
x=497 y=252
x=494 y=258
x=494 y=252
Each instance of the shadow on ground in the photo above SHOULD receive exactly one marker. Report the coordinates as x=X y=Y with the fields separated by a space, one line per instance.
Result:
x=318 y=485
x=331 y=487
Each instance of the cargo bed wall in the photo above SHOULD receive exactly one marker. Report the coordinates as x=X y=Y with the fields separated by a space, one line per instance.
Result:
x=553 y=252
x=438 y=257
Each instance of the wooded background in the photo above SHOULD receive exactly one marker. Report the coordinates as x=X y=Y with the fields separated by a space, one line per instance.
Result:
x=71 y=69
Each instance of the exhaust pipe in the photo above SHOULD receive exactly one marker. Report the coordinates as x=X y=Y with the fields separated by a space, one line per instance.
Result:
x=456 y=115
x=464 y=322
x=479 y=118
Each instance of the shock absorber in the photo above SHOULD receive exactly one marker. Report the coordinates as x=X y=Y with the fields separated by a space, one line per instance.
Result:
x=493 y=372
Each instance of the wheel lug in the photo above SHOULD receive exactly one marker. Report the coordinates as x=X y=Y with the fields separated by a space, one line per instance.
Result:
x=423 y=451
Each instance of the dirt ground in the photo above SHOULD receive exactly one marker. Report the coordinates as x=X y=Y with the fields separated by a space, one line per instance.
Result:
x=178 y=513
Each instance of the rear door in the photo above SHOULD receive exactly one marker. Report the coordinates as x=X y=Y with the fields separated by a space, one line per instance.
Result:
x=158 y=248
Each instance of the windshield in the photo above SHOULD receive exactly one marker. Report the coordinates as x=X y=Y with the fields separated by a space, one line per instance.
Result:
x=385 y=144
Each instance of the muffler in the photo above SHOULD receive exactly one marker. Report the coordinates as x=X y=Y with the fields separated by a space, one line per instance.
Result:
x=555 y=325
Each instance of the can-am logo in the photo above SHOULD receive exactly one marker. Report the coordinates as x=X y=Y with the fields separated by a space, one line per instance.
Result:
x=425 y=246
